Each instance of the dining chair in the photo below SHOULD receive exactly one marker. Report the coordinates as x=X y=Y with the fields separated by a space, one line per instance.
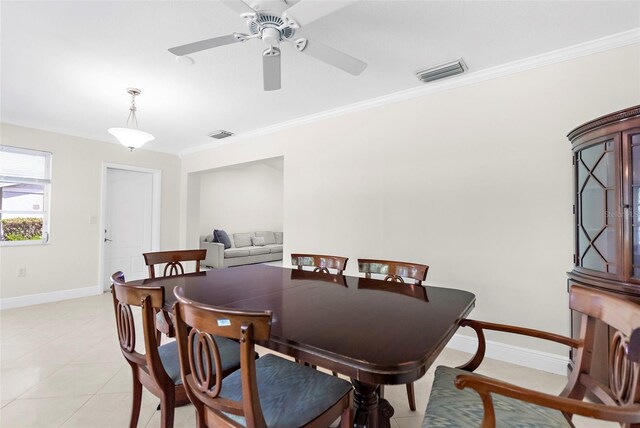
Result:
x=173 y=266
x=173 y=261
x=320 y=263
x=487 y=401
x=157 y=368
x=396 y=272
x=266 y=392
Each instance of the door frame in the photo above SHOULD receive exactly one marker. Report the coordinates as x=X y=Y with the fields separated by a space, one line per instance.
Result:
x=156 y=176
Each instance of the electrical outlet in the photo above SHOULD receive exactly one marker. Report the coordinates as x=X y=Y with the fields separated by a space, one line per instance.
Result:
x=22 y=272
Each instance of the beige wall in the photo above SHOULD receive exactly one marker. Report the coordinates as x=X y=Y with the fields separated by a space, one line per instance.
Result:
x=71 y=259
x=474 y=181
x=242 y=198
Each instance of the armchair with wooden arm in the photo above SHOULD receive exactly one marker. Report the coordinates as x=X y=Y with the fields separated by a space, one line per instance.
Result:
x=460 y=398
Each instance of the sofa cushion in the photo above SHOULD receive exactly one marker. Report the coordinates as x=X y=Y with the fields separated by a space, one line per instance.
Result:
x=222 y=237
x=269 y=237
x=254 y=251
x=242 y=239
x=236 y=252
x=258 y=241
x=279 y=237
x=208 y=238
x=275 y=248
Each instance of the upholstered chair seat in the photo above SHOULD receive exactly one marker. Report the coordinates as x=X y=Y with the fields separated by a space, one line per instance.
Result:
x=450 y=407
x=461 y=399
x=229 y=352
x=291 y=395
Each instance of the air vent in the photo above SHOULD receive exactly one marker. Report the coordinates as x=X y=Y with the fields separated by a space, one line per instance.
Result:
x=220 y=134
x=441 y=71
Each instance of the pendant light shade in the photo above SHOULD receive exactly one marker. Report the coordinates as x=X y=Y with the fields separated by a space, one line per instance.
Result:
x=131 y=136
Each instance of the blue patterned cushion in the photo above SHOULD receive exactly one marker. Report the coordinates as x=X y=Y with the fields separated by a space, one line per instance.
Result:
x=450 y=407
x=291 y=395
x=229 y=354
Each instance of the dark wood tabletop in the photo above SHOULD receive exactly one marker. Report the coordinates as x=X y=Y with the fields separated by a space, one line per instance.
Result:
x=373 y=331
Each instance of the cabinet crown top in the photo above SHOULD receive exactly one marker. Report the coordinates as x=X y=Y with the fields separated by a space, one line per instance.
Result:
x=604 y=120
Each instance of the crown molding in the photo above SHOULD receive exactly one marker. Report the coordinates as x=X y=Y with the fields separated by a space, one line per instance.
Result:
x=553 y=57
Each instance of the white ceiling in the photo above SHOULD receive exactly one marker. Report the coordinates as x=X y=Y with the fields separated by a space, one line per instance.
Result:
x=66 y=65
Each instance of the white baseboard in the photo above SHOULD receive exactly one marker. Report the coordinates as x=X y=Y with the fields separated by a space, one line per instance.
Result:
x=545 y=361
x=54 y=296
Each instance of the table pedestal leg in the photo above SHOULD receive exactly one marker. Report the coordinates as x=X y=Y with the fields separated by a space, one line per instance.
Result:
x=370 y=411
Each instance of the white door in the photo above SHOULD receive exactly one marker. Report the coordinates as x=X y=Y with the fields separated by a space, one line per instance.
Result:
x=128 y=223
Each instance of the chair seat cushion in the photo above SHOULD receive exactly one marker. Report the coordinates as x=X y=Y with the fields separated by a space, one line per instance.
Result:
x=229 y=353
x=451 y=407
x=291 y=395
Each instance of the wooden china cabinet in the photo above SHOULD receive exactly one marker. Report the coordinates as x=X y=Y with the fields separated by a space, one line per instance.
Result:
x=606 y=162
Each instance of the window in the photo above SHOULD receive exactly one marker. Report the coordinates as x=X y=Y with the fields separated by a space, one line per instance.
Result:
x=25 y=182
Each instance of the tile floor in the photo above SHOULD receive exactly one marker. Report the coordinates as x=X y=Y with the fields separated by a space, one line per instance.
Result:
x=61 y=367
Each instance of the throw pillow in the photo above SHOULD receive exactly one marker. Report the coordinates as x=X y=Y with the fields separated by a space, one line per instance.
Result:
x=258 y=241
x=278 y=237
x=214 y=236
x=222 y=237
x=269 y=237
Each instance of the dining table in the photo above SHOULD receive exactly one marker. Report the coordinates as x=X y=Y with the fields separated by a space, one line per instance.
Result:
x=372 y=331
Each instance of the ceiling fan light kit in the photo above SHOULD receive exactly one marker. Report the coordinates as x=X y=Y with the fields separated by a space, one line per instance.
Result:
x=441 y=71
x=131 y=137
x=273 y=29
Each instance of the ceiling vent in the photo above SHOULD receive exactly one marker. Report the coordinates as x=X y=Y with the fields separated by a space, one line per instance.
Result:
x=441 y=71
x=220 y=134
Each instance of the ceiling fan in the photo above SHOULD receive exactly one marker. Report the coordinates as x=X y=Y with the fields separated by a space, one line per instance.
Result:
x=273 y=28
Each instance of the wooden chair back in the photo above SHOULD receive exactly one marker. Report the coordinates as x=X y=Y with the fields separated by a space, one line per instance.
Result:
x=195 y=325
x=394 y=271
x=150 y=300
x=624 y=362
x=173 y=261
x=320 y=263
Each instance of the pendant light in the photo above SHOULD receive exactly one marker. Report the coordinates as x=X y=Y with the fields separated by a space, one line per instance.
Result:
x=131 y=136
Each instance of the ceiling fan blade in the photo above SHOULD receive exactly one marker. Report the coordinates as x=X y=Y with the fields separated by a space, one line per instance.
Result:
x=334 y=57
x=203 y=44
x=307 y=11
x=238 y=6
x=271 y=69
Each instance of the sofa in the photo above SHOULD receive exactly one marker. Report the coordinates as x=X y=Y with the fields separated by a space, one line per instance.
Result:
x=242 y=251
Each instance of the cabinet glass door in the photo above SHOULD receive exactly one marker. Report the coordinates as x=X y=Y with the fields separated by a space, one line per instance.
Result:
x=597 y=208
x=634 y=209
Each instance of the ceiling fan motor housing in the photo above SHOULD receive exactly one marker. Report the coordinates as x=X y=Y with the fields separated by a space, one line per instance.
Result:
x=271 y=36
x=271 y=28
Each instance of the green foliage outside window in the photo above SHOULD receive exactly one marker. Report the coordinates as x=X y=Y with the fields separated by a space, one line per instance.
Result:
x=21 y=229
